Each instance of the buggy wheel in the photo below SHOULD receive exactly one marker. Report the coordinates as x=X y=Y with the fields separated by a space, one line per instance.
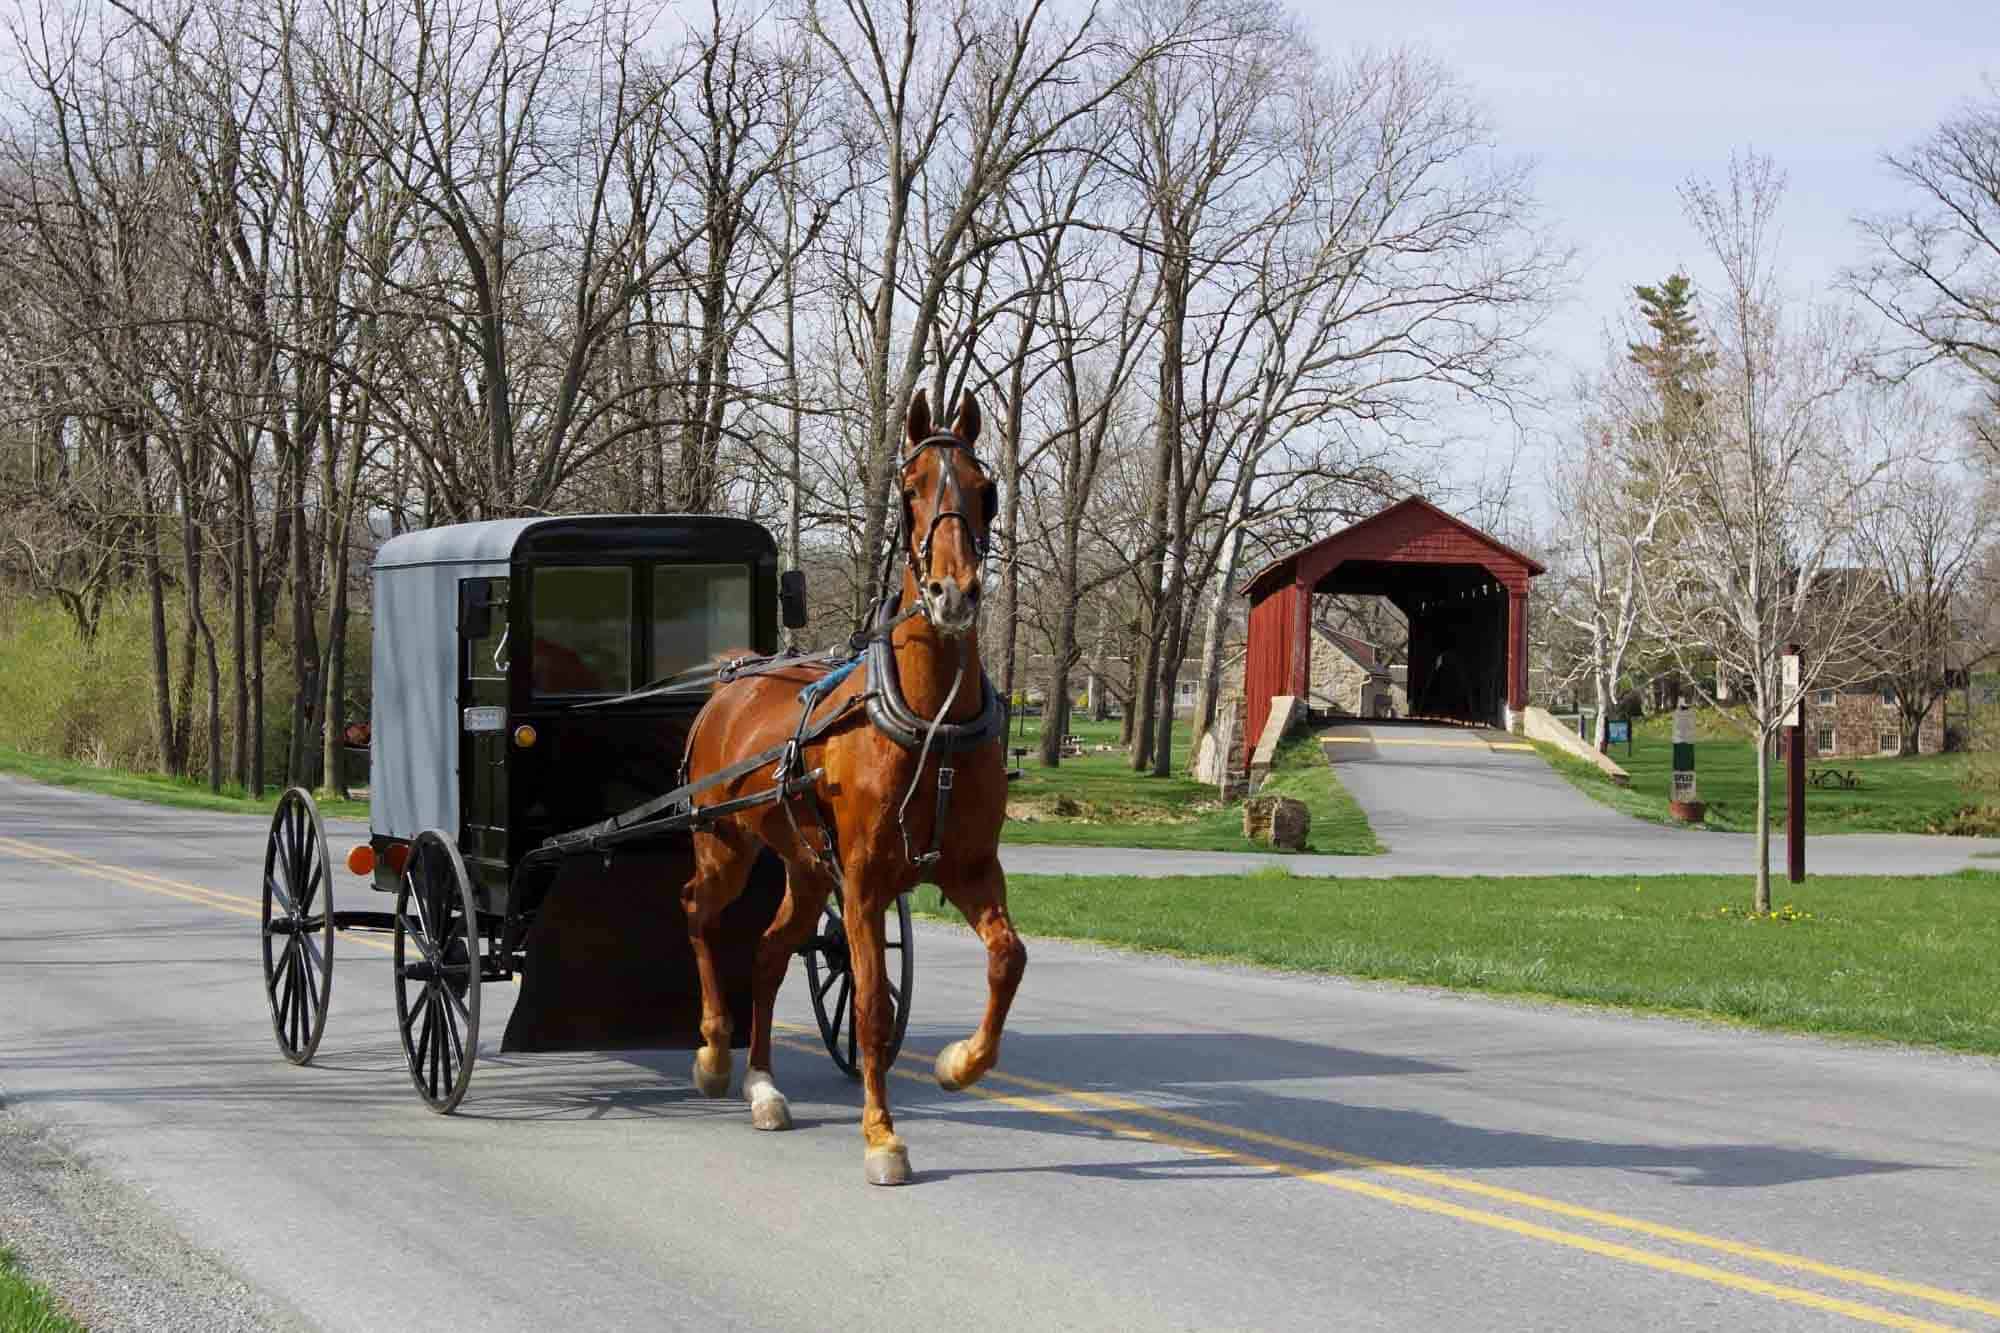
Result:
x=830 y=973
x=298 y=926
x=437 y=971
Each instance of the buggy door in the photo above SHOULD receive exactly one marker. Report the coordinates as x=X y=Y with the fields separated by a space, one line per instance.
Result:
x=482 y=762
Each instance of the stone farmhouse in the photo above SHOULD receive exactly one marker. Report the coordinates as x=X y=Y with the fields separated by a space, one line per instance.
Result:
x=1857 y=721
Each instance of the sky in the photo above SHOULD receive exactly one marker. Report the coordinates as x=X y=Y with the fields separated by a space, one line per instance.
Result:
x=1620 y=102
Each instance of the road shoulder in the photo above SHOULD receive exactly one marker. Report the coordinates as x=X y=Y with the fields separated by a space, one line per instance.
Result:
x=112 y=1259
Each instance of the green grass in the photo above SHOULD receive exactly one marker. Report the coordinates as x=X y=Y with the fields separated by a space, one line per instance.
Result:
x=158 y=790
x=25 y=1307
x=1098 y=801
x=1917 y=794
x=1910 y=960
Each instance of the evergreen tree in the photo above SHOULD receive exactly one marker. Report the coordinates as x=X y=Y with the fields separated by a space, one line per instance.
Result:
x=1675 y=360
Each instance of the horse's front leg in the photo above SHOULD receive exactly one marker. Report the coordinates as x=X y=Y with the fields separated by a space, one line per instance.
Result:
x=805 y=895
x=980 y=893
x=887 y=1161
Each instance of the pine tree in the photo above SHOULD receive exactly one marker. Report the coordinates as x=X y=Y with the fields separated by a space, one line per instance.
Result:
x=1675 y=360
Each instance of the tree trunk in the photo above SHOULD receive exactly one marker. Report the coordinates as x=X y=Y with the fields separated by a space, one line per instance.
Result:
x=239 y=629
x=156 y=596
x=1762 y=900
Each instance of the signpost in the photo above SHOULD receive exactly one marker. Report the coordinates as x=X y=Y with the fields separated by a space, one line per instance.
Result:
x=1685 y=803
x=1795 y=767
x=1619 y=729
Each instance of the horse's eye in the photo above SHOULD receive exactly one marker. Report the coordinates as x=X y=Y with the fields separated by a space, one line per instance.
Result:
x=910 y=496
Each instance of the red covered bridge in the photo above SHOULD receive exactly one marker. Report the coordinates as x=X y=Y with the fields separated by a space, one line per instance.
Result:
x=1464 y=594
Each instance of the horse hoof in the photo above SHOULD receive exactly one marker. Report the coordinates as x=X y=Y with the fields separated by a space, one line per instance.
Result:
x=950 y=1067
x=768 y=1107
x=888 y=1166
x=710 y=1083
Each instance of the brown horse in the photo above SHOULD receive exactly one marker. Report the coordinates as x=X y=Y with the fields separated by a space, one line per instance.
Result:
x=948 y=506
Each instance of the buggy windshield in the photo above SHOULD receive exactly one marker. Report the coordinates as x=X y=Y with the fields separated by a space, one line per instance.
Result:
x=699 y=612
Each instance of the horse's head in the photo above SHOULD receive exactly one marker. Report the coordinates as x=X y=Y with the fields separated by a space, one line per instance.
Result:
x=948 y=509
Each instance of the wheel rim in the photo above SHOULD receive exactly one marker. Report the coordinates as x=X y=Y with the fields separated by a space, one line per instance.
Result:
x=436 y=966
x=830 y=974
x=297 y=925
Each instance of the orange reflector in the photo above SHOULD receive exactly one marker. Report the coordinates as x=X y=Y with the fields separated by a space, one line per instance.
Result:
x=399 y=856
x=524 y=736
x=361 y=859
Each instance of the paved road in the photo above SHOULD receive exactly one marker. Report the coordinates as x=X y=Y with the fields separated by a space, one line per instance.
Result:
x=1451 y=801
x=1169 y=1146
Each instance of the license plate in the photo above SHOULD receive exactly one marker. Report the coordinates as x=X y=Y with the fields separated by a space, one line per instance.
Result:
x=485 y=718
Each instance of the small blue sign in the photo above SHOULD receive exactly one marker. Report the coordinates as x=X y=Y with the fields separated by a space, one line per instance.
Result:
x=1618 y=731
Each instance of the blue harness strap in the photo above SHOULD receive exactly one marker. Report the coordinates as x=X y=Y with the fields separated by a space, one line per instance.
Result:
x=819 y=689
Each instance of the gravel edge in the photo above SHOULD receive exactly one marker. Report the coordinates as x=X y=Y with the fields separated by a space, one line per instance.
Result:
x=108 y=1255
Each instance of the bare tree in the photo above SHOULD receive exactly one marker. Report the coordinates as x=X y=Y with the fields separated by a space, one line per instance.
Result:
x=1924 y=543
x=1934 y=269
x=1770 y=482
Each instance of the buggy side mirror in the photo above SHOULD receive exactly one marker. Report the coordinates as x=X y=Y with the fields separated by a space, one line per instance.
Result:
x=475 y=608
x=792 y=598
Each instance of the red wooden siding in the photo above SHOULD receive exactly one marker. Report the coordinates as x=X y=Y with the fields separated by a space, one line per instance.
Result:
x=1269 y=664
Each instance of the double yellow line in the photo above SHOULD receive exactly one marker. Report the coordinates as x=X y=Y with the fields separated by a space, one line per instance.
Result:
x=1126 y=1118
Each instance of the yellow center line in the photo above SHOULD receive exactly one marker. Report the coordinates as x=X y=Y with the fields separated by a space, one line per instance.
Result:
x=1442 y=1207
x=1344 y=1180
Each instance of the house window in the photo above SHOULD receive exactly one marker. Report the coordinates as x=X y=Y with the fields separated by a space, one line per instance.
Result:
x=1187 y=690
x=1891 y=742
x=1826 y=698
x=1888 y=696
x=1823 y=740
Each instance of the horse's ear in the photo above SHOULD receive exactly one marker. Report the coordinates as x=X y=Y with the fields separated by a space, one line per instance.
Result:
x=967 y=425
x=920 y=417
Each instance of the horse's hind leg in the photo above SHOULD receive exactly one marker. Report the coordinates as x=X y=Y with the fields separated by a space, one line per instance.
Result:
x=805 y=894
x=721 y=865
x=981 y=895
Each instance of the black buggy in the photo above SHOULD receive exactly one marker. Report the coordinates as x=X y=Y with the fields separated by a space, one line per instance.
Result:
x=516 y=709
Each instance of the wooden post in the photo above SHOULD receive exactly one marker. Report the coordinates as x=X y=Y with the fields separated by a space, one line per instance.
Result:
x=1795 y=769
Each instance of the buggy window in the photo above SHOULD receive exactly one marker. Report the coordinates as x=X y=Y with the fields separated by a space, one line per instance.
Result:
x=583 y=629
x=486 y=656
x=699 y=611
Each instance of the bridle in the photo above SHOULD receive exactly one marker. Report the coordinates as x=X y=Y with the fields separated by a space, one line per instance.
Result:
x=951 y=505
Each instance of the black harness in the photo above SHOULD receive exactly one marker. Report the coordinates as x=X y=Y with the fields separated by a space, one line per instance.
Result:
x=870 y=649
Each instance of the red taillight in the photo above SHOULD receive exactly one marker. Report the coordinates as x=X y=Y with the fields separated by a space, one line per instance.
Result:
x=361 y=859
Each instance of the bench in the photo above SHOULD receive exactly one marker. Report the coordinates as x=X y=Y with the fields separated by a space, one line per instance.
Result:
x=1833 y=777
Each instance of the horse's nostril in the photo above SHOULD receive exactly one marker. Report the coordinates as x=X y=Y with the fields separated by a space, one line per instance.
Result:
x=937 y=588
x=972 y=594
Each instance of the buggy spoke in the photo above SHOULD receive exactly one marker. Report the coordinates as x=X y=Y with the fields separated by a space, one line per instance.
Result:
x=827 y=985
x=852 y=1026
x=423 y=1052
x=437 y=1044
x=278 y=892
x=311 y=890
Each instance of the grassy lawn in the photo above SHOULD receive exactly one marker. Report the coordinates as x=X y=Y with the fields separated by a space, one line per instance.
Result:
x=1910 y=960
x=158 y=790
x=1918 y=794
x=25 y=1307
x=1098 y=801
